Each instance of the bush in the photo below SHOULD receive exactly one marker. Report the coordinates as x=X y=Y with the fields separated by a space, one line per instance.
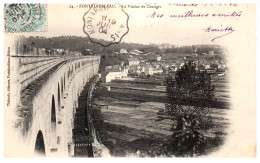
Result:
x=189 y=97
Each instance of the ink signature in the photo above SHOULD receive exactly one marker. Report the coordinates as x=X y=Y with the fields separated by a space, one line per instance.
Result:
x=225 y=30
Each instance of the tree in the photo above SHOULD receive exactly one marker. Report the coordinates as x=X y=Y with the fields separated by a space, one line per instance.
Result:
x=189 y=97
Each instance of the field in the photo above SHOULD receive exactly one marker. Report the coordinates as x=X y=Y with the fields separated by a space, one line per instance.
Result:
x=128 y=124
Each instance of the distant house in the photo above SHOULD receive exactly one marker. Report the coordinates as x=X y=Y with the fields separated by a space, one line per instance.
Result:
x=155 y=64
x=75 y=53
x=201 y=67
x=159 y=58
x=135 y=52
x=157 y=70
x=108 y=68
x=42 y=51
x=182 y=64
x=123 y=51
x=194 y=55
x=116 y=67
x=148 y=70
x=222 y=68
x=149 y=53
x=133 y=61
x=66 y=52
x=59 y=50
x=88 y=52
x=122 y=63
x=211 y=53
x=177 y=65
x=105 y=77
x=142 y=68
x=143 y=64
x=134 y=70
x=174 y=69
x=207 y=66
x=165 y=65
x=211 y=70
x=215 y=66
x=114 y=74
x=52 y=51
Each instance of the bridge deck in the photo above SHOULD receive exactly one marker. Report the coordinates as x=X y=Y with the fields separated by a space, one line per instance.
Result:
x=82 y=132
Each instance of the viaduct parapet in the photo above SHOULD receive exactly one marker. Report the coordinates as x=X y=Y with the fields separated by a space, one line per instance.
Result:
x=44 y=94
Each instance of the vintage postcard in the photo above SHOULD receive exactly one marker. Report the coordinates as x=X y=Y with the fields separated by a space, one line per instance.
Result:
x=127 y=80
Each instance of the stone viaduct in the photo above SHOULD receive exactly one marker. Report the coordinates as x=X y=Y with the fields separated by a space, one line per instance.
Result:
x=44 y=96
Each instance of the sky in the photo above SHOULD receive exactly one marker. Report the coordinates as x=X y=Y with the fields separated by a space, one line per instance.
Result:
x=64 y=21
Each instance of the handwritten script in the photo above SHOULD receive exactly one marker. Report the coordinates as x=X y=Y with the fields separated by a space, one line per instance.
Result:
x=224 y=31
x=192 y=14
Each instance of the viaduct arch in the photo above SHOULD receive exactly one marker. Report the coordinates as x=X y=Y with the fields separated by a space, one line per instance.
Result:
x=48 y=101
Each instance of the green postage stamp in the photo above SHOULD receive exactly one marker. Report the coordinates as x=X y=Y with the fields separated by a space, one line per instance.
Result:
x=25 y=18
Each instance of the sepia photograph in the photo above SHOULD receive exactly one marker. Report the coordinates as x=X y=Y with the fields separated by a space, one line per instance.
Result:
x=144 y=80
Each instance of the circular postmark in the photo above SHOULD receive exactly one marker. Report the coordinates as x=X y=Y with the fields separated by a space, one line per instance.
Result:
x=105 y=24
x=25 y=17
